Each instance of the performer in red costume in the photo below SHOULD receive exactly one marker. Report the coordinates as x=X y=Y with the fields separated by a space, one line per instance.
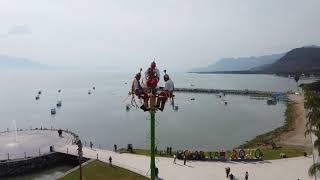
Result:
x=152 y=76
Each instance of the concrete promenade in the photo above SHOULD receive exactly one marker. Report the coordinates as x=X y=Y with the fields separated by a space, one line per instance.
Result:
x=282 y=169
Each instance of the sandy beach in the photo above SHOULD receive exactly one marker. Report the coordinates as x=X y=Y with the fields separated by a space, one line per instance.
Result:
x=297 y=137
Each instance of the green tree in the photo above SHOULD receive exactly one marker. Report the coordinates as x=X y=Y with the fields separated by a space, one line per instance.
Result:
x=312 y=105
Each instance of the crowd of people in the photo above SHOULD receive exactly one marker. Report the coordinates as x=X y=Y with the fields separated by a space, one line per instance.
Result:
x=191 y=155
x=235 y=155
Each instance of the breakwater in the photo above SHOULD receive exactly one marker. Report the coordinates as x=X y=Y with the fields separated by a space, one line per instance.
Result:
x=225 y=91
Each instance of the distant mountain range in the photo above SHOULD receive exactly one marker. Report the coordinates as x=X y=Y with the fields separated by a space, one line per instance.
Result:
x=300 y=60
x=304 y=60
x=239 y=64
x=9 y=62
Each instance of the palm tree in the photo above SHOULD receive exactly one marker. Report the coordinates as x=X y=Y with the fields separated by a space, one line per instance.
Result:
x=312 y=105
x=314 y=169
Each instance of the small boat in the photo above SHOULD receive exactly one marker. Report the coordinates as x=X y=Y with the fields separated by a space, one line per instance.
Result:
x=192 y=99
x=59 y=103
x=53 y=111
x=37 y=97
x=94 y=88
x=39 y=92
x=59 y=91
x=128 y=107
x=271 y=101
x=89 y=92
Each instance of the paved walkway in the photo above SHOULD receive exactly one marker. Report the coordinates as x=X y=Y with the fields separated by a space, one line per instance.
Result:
x=284 y=169
x=30 y=142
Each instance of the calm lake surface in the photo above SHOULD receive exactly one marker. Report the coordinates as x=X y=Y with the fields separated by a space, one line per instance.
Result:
x=47 y=174
x=203 y=124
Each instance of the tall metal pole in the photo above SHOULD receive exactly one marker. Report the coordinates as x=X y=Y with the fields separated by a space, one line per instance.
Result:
x=80 y=153
x=152 y=136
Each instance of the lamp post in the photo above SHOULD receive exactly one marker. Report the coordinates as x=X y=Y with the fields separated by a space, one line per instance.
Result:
x=80 y=153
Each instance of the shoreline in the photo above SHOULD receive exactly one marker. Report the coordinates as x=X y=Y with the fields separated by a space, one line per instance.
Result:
x=290 y=136
x=296 y=137
x=291 y=133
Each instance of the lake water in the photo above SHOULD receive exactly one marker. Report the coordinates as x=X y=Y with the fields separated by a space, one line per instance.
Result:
x=46 y=174
x=203 y=124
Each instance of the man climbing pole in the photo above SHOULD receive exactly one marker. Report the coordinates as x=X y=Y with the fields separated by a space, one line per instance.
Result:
x=166 y=93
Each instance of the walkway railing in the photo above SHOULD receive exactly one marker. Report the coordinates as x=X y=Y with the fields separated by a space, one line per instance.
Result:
x=12 y=156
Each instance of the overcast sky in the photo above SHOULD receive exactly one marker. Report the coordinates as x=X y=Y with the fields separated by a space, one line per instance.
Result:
x=125 y=35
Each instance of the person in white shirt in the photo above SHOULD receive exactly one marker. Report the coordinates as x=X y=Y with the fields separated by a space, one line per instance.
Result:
x=166 y=93
x=138 y=91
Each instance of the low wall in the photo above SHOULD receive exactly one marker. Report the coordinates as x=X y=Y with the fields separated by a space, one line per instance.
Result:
x=26 y=165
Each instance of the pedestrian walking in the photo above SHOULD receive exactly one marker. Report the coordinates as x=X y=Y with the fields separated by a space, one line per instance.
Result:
x=115 y=148
x=174 y=159
x=60 y=132
x=246 y=176
x=156 y=172
x=91 y=144
x=227 y=171
x=231 y=176
x=184 y=159
x=110 y=160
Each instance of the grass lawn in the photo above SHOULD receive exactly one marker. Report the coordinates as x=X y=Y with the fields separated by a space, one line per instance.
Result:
x=271 y=154
x=98 y=170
